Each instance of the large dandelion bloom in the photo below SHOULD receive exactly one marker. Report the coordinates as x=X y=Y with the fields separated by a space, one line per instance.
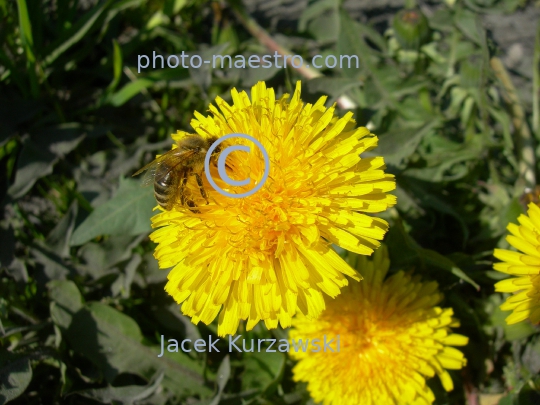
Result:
x=525 y=265
x=264 y=256
x=392 y=337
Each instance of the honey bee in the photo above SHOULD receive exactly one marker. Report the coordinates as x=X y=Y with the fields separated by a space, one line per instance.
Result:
x=530 y=196
x=169 y=173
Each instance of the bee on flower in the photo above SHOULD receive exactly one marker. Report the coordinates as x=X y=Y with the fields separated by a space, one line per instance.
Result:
x=269 y=255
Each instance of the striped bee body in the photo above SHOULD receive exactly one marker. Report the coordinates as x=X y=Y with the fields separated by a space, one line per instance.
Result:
x=166 y=184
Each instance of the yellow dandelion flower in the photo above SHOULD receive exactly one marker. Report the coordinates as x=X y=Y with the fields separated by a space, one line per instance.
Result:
x=392 y=337
x=525 y=265
x=264 y=256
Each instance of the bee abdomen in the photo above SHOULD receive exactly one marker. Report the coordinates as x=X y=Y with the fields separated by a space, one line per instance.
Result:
x=164 y=190
x=160 y=188
x=162 y=198
x=165 y=198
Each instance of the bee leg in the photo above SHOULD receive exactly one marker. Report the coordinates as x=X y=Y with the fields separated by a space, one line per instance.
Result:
x=201 y=188
x=192 y=206
x=181 y=186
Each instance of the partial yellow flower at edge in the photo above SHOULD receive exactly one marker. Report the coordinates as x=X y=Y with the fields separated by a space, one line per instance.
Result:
x=268 y=255
x=392 y=338
x=524 y=265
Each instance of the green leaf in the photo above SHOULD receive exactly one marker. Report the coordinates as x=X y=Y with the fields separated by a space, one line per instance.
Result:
x=528 y=396
x=321 y=19
x=127 y=213
x=223 y=375
x=27 y=40
x=3 y=314
x=113 y=342
x=129 y=91
x=350 y=42
x=117 y=66
x=26 y=30
x=58 y=239
x=513 y=332
x=202 y=76
x=99 y=259
x=421 y=193
x=44 y=149
x=33 y=163
x=127 y=395
x=15 y=375
x=468 y=23
x=510 y=399
x=332 y=86
x=51 y=265
x=436 y=259
x=398 y=145
x=404 y=251
x=531 y=356
x=263 y=371
x=66 y=300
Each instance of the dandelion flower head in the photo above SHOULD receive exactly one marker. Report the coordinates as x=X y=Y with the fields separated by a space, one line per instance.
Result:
x=265 y=256
x=523 y=266
x=392 y=338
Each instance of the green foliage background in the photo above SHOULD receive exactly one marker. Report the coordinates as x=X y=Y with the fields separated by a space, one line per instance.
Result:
x=82 y=304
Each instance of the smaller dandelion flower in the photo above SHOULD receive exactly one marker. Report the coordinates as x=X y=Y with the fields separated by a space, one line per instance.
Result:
x=392 y=337
x=525 y=265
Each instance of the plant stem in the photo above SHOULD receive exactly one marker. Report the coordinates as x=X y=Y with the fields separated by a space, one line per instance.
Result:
x=265 y=39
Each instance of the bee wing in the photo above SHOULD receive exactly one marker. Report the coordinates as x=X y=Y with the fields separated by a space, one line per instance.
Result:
x=148 y=178
x=174 y=157
x=151 y=168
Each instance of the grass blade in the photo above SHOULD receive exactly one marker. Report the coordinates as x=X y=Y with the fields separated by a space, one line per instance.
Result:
x=27 y=40
x=78 y=33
